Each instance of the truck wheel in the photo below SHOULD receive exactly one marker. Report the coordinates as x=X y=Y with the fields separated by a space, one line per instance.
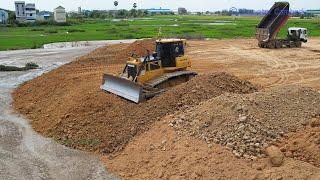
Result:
x=292 y=45
x=298 y=44
x=272 y=45
x=278 y=45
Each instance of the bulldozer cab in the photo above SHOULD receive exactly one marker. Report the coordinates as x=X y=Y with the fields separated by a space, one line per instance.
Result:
x=167 y=50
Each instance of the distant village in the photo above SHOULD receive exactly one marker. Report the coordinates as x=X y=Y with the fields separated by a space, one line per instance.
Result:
x=27 y=13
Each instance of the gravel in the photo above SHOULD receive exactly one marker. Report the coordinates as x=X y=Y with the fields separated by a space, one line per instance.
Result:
x=248 y=123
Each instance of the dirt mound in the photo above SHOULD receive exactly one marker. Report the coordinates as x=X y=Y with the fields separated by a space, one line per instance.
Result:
x=247 y=124
x=305 y=145
x=140 y=47
x=116 y=54
x=68 y=105
x=161 y=153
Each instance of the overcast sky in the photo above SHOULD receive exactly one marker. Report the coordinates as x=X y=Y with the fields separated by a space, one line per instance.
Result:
x=192 y=5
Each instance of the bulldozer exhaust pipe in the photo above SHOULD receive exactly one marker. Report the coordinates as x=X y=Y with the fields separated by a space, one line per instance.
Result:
x=122 y=87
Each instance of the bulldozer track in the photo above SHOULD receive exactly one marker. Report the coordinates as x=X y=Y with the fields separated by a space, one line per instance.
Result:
x=169 y=76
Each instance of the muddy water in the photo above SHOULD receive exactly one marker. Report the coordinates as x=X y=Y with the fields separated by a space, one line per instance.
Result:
x=24 y=154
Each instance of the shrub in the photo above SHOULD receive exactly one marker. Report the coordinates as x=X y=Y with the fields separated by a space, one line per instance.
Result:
x=122 y=24
x=76 y=30
x=129 y=36
x=36 y=29
x=112 y=30
x=51 y=31
x=28 y=66
x=32 y=65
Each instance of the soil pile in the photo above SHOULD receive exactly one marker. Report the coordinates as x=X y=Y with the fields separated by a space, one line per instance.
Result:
x=140 y=47
x=162 y=154
x=247 y=124
x=115 y=54
x=304 y=145
x=80 y=115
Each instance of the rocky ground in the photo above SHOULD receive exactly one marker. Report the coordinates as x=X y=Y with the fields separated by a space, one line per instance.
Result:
x=247 y=124
x=162 y=153
x=216 y=119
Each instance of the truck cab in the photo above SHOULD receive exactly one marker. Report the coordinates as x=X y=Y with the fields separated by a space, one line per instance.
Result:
x=297 y=33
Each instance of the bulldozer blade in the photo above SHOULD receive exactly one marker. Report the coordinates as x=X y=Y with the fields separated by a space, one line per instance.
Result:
x=122 y=87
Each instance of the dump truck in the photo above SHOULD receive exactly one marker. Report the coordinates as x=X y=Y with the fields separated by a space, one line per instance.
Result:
x=270 y=25
x=145 y=77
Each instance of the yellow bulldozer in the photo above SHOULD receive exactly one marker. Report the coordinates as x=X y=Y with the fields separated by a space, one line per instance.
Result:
x=145 y=77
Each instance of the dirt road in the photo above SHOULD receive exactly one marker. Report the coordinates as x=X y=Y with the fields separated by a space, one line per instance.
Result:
x=266 y=67
x=24 y=153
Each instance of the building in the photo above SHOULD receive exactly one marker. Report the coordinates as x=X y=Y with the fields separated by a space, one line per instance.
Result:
x=25 y=12
x=44 y=15
x=60 y=15
x=3 y=17
x=159 y=11
x=20 y=11
x=182 y=11
x=79 y=10
x=31 y=13
x=315 y=12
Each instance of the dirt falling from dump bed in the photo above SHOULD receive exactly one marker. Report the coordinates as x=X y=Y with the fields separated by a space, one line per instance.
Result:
x=97 y=121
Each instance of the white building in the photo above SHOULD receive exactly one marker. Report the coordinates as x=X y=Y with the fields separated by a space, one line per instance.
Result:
x=25 y=12
x=31 y=13
x=20 y=11
x=60 y=15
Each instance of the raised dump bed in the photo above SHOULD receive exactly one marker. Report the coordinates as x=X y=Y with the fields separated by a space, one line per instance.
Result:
x=272 y=22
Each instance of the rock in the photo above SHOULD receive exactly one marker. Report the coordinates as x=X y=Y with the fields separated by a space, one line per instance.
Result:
x=160 y=174
x=315 y=122
x=276 y=157
x=242 y=119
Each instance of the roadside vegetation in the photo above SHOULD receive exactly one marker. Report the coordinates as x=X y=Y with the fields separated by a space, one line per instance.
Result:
x=85 y=29
x=28 y=66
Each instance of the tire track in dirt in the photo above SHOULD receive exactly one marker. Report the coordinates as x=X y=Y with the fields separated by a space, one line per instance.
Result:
x=269 y=67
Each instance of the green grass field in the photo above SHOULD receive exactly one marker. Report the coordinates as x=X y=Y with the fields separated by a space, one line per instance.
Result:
x=171 y=26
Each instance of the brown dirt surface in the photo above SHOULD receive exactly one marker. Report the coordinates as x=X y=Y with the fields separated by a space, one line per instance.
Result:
x=304 y=145
x=81 y=116
x=247 y=124
x=68 y=105
x=140 y=47
x=161 y=153
x=266 y=67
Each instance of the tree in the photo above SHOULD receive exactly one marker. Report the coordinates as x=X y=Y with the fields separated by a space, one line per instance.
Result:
x=11 y=17
x=115 y=3
x=135 y=5
x=133 y=13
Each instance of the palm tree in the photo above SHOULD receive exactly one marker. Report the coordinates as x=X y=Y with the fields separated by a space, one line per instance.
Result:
x=135 y=5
